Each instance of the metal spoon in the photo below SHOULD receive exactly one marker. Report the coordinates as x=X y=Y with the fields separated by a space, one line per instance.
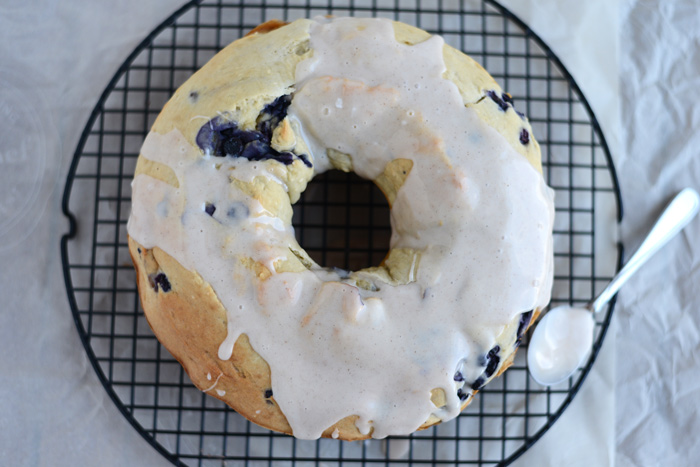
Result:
x=563 y=338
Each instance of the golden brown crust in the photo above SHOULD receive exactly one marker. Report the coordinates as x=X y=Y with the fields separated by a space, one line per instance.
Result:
x=268 y=26
x=190 y=322
x=188 y=319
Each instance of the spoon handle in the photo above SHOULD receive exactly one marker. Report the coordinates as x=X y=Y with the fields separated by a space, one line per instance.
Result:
x=676 y=216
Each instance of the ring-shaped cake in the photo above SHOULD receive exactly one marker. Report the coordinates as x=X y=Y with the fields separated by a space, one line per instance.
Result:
x=315 y=351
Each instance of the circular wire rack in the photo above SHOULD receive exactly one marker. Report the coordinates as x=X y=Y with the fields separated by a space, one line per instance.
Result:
x=342 y=221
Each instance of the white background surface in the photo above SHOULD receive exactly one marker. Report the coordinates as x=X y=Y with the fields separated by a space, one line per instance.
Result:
x=637 y=407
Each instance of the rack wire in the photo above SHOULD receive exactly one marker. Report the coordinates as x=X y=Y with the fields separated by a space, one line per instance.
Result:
x=342 y=221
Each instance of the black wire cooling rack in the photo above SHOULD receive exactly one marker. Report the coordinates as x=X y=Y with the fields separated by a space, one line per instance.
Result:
x=342 y=221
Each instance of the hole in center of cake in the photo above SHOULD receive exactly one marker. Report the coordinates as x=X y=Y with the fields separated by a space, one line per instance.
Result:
x=342 y=221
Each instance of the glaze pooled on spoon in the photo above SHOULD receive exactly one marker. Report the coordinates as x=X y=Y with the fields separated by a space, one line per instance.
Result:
x=563 y=342
x=563 y=338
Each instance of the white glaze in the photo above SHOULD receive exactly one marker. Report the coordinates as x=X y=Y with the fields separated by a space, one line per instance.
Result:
x=215 y=382
x=469 y=205
x=562 y=342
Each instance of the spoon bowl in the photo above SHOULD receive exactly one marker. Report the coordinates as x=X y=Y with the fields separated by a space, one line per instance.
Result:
x=563 y=338
x=563 y=327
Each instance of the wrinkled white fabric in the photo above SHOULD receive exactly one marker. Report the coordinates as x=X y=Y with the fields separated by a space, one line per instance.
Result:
x=658 y=386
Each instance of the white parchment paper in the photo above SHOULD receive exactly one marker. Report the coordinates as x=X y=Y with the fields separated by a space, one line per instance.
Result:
x=56 y=59
x=658 y=381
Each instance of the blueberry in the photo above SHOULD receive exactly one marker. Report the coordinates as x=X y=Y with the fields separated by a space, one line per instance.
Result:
x=459 y=376
x=278 y=107
x=284 y=157
x=209 y=138
x=159 y=280
x=228 y=131
x=232 y=147
x=490 y=361
x=524 y=323
x=272 y=115
x=478 y=384
x=255 y=151
x=493 y=361
x=520 y=114
x=463 y=396
x=222 y=138
x=265 y=128
x=497 y=99
x=237 y=211
x=305 y=160
x=250 y=136
x=506 y=98
x=524 y=136
x=261 y=150
x=268 y=393
x=209 y=209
